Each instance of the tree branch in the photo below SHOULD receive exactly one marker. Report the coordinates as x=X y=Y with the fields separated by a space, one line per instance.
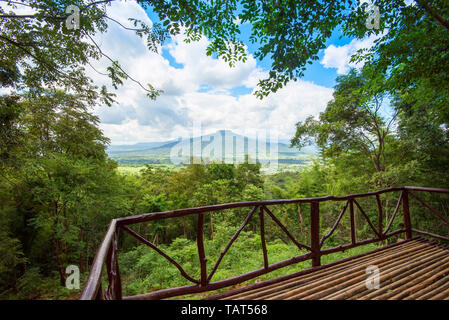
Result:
x=32 y=16
x=124 y=27
x=28 y=52
x=124 y=72
x=433 y=13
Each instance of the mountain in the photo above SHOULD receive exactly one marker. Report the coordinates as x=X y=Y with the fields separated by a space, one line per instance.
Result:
x=223 y=145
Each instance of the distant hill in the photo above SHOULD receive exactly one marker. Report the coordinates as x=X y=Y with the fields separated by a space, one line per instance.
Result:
x=220 y=146
x=142 y=146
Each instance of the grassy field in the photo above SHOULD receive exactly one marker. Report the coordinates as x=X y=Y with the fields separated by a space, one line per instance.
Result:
x=281 y=167
x=135 y=169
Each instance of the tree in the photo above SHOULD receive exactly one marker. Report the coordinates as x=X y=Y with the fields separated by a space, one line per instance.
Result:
x=428 y=139
x=289 y=32
x=353 y=129
x=40 y=52
x=412 y=53
x=292 y=33
x=60 y=189
x=248 y=174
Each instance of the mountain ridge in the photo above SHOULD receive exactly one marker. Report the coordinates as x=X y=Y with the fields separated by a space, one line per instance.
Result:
x=161 y=152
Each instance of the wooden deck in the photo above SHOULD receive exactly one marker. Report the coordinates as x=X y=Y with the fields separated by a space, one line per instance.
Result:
x=413 y=269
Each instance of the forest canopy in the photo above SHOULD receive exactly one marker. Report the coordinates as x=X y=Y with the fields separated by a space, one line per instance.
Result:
x=59 y=189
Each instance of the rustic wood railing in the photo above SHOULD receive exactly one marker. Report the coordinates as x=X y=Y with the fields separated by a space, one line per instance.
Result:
x=107 y=252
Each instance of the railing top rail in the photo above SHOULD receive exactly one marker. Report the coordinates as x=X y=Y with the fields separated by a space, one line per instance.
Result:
x=93 y=282
x=436 y=190
x=188 y=211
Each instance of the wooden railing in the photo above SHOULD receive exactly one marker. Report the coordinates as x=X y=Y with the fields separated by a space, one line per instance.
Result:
x=107 y=252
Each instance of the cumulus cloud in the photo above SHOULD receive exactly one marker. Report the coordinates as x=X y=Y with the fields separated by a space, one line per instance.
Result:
x=198 y=89
x=202 y=69
x=339 y=57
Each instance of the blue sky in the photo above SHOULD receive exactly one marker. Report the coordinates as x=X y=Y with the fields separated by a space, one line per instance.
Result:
x=315 y=72
x=205 y=90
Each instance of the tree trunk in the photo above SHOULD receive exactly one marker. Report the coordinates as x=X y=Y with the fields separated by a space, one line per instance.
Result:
x=302 y=226
x=58 y=245
x=211 y=227
x=138 y=231
x=386 y=217
x=81 y=258
x=86 y=261
x=155 y=239
x=60 y=262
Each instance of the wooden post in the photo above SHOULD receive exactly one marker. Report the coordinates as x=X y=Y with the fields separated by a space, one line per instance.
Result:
x=99 y=294
x=380 y=218
x=315 y=233
x=114 y=289
x=262 y=237
x=200 y=244
x=406 y=213
x=351 y=212
x=118 y=281
x=380 y=215
x=115 y=269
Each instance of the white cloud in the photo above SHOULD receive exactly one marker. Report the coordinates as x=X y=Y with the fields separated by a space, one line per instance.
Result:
x=17 y=8
x=202 y=69
x=136 y=118
x=5 y=90
x=339 y=57
x=245 y=114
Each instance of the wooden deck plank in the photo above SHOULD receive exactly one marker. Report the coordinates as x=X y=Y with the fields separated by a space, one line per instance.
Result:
x=414 y=269
x=292 y=283
x=327 y=271
x=352 y=268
